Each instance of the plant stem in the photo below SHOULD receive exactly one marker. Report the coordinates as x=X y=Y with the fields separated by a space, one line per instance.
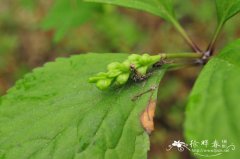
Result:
x=180 y=55
x=215 y=37
x=180 y=29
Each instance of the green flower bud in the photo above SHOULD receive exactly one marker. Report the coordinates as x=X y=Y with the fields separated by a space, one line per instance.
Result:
x=144 y=59
x=142 y=70
x=154 y=59
x=114 y=73
x=122 y=79
x=134 y=57
x=147 y=60
x=101 y=75
x=113 y=66
x=126 y=66
x=104 y=84
x=93 y=79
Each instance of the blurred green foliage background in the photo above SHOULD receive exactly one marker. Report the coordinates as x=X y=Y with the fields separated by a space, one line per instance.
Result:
x=35 y=32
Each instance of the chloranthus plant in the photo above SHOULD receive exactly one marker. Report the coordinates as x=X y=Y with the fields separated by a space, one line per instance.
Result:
x=58 y=112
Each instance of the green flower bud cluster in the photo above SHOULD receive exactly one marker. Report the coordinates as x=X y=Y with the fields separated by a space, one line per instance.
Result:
x=119 y=73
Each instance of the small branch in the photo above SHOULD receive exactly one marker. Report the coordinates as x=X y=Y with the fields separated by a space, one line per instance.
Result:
x=153 y=88
x=180 y=29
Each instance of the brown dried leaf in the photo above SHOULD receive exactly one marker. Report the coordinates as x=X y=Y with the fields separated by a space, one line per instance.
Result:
x=147 y=116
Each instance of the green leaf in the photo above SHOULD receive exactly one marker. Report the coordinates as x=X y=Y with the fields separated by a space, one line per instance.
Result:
x=68 y=14
x=55 y=113
x=213 y=110
x=227 y=9
x=162 y=8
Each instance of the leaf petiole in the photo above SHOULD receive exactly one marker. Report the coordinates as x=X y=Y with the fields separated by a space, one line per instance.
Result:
x=180 y=29
x=210 y=48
